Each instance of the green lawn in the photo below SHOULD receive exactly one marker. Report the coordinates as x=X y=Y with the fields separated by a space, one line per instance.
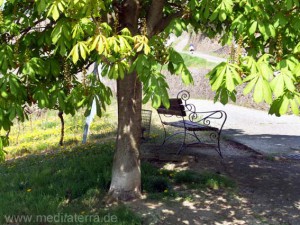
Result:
x=50 y=183
x=194 y=61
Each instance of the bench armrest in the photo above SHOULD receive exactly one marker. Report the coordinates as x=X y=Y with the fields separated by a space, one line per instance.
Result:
x=206 y=118
x=209 y=118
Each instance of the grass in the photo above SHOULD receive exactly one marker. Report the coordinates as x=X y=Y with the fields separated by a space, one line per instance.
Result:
x=160 y=183
x=42 y=132
x=194 y=61
x=73 y=180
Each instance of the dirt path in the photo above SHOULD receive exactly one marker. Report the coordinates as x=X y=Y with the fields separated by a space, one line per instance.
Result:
x=268 y=192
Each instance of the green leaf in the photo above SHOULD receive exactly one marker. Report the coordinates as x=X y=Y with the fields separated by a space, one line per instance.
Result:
x=222 y=16
x=4 y=94
x=284 y=106
x=265 y=70
x=60 y=6
x=156 y=101
x=219 y=74
x=289 y=81
x=146 y=98
x=232 y=96
x=262 y=29
x=258 y=94
x=121 y=71
x=14 y=86
x=280 y=20
x=12 y=114
x=277 y=85
x=74 y=53
x=83 y=50
x=267 y=92
x=56 y=33
x=253 y=28
x=146 y=49
x=178 y=28
x=224 y=97
x=54 y=67
x=165 y=98
x=229 y=81
x=214 y=15
x=175 y=57
x=186 y=76
x=297 y=49
x=41 y=6
x=294 y=106
x=250 y=86
x=289 y=4
x=297 y=70
x=53 y=11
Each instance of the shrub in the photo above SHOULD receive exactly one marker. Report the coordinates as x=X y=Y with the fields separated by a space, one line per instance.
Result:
x=156 y=184
x=206 y=180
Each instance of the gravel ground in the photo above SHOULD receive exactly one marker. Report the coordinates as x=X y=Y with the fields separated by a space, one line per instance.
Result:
x=267 y=190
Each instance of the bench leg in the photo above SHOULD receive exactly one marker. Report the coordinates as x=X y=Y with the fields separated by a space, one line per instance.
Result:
x=218 y=149
x=215 y=137
x=183 y=143
x=165 y=136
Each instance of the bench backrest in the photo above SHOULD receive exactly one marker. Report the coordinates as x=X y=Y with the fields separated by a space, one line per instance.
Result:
x=176 y=108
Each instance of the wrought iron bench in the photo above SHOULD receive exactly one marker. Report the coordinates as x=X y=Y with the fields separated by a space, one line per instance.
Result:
x=192 y=121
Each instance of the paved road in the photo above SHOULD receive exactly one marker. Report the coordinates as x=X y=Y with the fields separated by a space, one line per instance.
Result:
x=269 y=135
x=182 y=43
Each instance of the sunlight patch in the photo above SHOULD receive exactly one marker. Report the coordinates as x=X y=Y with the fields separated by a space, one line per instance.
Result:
x=297 y=205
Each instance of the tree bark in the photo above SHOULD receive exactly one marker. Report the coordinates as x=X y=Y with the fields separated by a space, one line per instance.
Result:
x=62 y=131
x=126 y=174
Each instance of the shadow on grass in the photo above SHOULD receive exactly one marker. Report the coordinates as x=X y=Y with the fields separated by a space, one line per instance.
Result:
x=75 y=180
x=65 y=182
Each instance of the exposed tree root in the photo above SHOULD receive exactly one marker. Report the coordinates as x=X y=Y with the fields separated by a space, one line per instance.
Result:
x=117 y=196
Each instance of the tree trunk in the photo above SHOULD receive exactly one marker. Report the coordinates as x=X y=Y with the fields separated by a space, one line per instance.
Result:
x=62 y=131
x=126 y=174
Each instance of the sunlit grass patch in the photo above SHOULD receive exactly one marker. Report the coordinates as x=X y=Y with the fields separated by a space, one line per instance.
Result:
x=43 y=132
x=194 y=61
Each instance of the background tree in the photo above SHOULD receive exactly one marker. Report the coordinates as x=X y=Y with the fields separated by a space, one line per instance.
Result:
x=45 y=43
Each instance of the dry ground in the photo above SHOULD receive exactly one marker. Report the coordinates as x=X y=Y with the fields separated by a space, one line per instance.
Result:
x=268 y=190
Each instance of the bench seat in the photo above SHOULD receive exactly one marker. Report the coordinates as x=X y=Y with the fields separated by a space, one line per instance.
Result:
x=190 y=126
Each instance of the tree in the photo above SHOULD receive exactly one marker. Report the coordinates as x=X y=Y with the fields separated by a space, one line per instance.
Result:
x=45 y=43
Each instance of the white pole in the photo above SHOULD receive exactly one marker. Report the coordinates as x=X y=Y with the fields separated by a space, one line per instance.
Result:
x=89 y=118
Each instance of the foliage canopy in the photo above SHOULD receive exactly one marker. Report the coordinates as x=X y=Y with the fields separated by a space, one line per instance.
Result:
x=46 y=43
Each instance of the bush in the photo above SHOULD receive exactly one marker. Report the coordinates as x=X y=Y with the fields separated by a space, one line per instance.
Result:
x=187 y=177
x=203 y=180
x=156 y=184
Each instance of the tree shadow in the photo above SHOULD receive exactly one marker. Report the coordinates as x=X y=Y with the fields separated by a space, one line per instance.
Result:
x=268 y=189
